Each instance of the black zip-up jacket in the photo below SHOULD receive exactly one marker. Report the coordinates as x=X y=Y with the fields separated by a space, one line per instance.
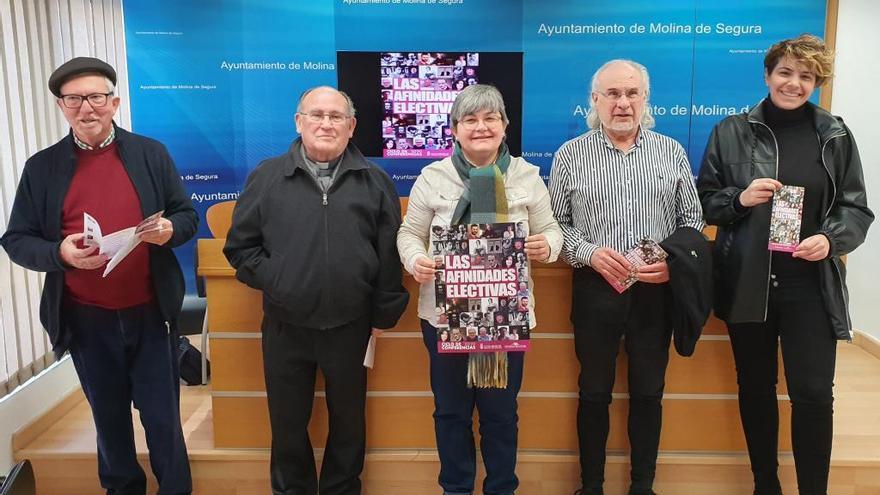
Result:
x=742 y=148
x=321 y=260
x=34 y=234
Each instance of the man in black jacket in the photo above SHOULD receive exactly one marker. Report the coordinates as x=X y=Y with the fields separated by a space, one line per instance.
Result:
x=315 y=229
x=120 y=327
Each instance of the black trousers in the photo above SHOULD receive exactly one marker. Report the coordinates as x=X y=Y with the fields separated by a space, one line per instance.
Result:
x=797 y=319
x=122 y=357
x=601 y=317
x=291 y=356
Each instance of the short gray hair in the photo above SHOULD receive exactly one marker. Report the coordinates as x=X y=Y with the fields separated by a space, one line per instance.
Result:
x=299 y=105
x=593 y=121
x=477 y=98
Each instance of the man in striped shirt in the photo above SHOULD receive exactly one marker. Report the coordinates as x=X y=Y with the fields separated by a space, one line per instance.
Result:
x=611 y=187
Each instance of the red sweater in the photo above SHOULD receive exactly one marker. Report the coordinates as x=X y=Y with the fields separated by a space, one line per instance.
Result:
x=101 y=187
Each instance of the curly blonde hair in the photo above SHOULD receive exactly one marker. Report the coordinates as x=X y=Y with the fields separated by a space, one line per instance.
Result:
x=807 y=49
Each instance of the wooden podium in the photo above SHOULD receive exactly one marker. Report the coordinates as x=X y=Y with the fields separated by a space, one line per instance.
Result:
x=700 y=403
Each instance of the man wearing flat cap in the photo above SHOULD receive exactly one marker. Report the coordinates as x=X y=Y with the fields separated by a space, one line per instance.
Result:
x=120 y=329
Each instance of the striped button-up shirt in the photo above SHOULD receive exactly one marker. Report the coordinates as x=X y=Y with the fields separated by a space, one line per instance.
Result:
x=605 y=197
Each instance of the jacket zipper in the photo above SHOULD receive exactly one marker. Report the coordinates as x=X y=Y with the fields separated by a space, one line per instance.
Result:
x=324 y=202
x=827 y=171
x=770 y=258
x=827 y=212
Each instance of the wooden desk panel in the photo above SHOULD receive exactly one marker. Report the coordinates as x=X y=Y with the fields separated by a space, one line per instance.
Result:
x=404 y=420
x=544 y=424
x=551 y=366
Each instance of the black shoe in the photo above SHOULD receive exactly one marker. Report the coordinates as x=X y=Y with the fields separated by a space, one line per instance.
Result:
x=641 y=491
x=589 y=491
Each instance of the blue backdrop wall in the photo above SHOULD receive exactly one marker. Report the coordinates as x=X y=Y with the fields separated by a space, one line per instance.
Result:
x=218 y=82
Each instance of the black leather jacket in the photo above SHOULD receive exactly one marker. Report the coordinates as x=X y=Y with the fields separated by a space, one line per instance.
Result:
x=742 y=148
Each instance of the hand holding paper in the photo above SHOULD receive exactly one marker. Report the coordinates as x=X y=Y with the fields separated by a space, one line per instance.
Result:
x=85 y=259
x=647 y=261
x=610 y=264
x=423 y=269
x=117 y=245
x=155 y=230
x=759 y=191
x=537 y=247
x=655 y=273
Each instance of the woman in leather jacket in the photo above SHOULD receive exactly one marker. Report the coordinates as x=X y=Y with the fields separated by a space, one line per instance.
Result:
x=794 y=299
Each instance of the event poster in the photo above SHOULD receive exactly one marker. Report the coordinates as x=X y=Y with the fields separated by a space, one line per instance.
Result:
x=418 y=89
x=481 y=287
x=785 y=219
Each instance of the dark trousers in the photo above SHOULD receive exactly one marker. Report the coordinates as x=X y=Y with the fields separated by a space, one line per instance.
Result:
x=601 y=317
x=454 y=405
x=291 y=356
x=796 y=318
x=125 y=356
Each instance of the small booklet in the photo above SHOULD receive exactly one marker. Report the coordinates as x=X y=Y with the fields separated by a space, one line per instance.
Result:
x=785 y=219
x=646 y=252
x=118 y=244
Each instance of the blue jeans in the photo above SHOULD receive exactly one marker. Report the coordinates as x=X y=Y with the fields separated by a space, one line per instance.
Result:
x=454 y=405
x=124 y=356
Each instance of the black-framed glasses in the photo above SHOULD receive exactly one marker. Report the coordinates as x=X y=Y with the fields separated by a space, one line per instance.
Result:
x=76 y=101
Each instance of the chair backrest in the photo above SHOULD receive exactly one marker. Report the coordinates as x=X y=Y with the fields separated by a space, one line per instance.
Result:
x=219 y=218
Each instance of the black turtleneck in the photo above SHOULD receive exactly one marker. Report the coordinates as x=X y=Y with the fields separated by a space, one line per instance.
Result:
x=800 y=164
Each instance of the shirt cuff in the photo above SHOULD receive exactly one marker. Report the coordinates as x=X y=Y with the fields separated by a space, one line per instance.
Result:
x=585 y=252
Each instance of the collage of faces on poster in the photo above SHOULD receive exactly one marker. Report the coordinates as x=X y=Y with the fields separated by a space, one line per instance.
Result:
x=418 y=89
x=482 y=287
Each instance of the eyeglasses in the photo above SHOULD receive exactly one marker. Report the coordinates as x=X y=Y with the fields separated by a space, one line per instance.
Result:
x=318 y=117
x=616 y=94
x=76 y=101
x=470 y=122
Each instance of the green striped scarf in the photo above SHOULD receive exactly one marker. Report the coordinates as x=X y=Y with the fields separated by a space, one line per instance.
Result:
x=483 y=201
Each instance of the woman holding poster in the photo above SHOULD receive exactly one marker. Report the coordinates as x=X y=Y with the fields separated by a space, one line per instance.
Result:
x=479 y=184
x=797 y=296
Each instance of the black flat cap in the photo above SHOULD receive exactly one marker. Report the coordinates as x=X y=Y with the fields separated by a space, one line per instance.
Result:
x=79 y=65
